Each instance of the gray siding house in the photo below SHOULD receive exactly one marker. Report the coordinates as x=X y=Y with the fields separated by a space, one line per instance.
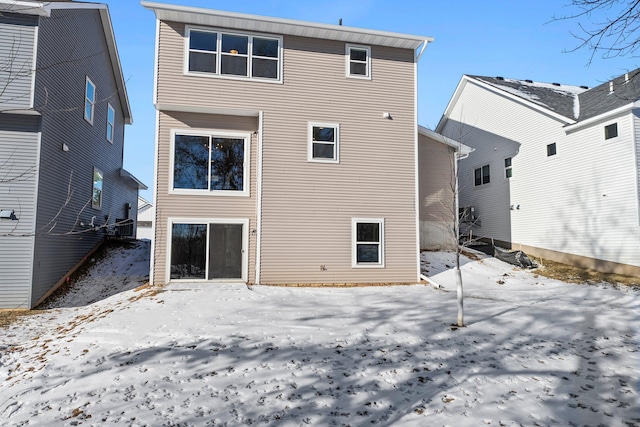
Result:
x=63 y=107
x=286 y=152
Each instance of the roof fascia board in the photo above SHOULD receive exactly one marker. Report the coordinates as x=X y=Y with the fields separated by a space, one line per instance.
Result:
x=523 y=101
x=24 y=7
x=211 y=17
x=601 y=117
x=126 y=174
x=454 y=99
x=206 y=110
x=459 y=146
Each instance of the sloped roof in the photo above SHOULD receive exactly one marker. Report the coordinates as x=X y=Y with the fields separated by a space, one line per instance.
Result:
x=600 y=99
x=561 y=99
x=242 y=21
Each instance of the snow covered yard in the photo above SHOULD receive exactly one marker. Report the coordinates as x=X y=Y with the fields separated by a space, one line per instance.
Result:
x=535 y=352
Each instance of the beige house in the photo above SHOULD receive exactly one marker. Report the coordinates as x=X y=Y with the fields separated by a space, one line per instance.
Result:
x=286 y=152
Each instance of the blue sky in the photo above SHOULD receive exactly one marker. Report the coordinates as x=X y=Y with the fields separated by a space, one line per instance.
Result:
x=483 y=37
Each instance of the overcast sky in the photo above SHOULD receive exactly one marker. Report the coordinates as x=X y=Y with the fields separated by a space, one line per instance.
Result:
x=506 y=38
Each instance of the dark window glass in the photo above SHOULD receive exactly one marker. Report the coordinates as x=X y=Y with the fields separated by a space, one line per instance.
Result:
x=482 y=175
x=358 y=55
x=227 y=164
x=367 y=253
x=508 y=173
x=203 y=62
x=225 y=251
x=323 y=151
x=191 y=160
x=266 y=68
x=202 y=41
x=486 y=177
x=507 y=162
x=551 y=149
x=234 y=65
x=358 y=68
x=611 y=131
x=478 y=176
x=237 y=45
x=188 y=251
x=324 y=134
x=368 y=232
x=265 y=47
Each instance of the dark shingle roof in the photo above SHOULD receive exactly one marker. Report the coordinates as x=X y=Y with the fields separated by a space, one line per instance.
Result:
x=573 y=102
x=561 y=99
x=626 y=89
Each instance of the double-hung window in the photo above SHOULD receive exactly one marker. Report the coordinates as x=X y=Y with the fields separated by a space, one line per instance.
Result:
x=367 y=242
x=358 y=61
x=323 y=142
x=111 y=122
x=216 y=53
x=482 y=175
x=210 y=163
x=96 y=196
x=89 y=100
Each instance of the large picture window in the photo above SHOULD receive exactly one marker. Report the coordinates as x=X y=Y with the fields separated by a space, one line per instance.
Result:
x=208 y=250
x=368 y=242
x=212 y=163
x=218 y=53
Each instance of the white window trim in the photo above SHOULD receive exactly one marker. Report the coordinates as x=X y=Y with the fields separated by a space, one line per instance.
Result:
x=207 y=221
x=92 y=101
x=354 y=244
x=506 y=168
x=473 y=176
x=93 y=205
x=615 y=138
x=347 y=56
x=212 y=133
x=310 y=143
x=112 y=124
x=218 y=75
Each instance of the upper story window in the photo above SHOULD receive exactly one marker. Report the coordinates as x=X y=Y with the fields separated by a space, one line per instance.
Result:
x=218 y=53
x=96 y=197
x=89 y=100
x=111 y=120
x=358 y=61
x=482 y=175
x=323 y=142
x=508 y=169
x=551 y=149
x=210 y=163
x=611 y=131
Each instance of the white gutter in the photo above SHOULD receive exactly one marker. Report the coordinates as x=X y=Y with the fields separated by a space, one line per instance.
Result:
x=423 y=48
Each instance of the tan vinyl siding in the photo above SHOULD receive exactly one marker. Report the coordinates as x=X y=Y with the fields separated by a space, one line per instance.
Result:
x=203 y=206
x=437 y=194
x=308 y=207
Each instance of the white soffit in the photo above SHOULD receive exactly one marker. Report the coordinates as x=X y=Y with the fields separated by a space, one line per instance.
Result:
x=265 y=24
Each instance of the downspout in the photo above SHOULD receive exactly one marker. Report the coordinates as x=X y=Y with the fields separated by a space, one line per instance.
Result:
x=259 y=200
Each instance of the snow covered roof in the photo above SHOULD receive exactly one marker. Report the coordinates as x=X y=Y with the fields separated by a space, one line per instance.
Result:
x=561 y=99
x=601 y=99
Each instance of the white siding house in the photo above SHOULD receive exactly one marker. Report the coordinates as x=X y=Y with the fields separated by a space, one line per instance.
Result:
x=145 y=219
x=555 y=167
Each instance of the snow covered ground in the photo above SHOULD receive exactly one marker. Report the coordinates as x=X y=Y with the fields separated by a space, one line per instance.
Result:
x=535 y=352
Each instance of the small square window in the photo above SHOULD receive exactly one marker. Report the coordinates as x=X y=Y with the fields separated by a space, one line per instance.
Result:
x=323 y=142
x=551 y=149
x=368 y=242
x=358 y=61
x=96 y=197
x=111 y=120
x=611 y=131
x=89 y=100
x=482 y=175
x=508 y=171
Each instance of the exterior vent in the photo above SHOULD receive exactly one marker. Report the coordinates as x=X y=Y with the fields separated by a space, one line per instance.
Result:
x=584 y=87
x=499 y=78
x=467 y=215
x=529 y=81
x=556 y=84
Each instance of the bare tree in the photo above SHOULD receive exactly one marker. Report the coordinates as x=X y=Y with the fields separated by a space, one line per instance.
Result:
x=607 y=27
